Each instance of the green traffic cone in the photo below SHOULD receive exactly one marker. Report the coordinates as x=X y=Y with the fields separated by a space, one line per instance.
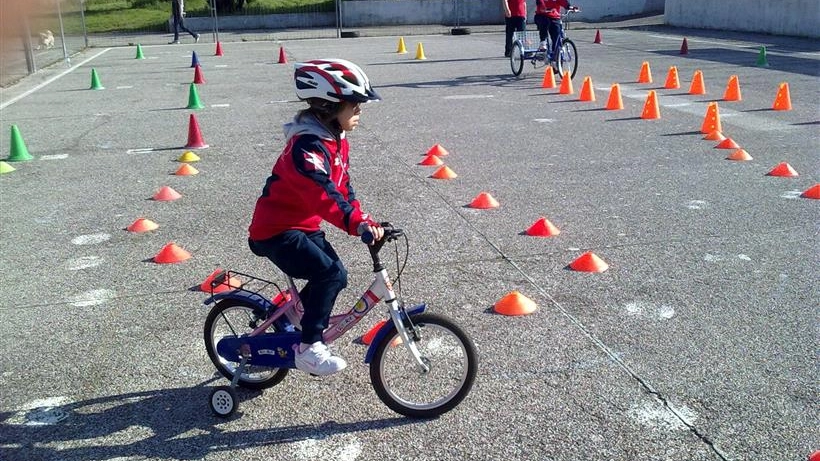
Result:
x=5 y=168
x=19 y=152
x=139 y=52
x=193 y=98
x=761 y=58
x=95 y=80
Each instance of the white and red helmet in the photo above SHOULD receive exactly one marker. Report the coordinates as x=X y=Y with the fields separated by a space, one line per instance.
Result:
x=333 y=80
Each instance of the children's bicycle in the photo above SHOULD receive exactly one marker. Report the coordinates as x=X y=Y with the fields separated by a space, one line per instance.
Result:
x=421 y=364
x=562 y=55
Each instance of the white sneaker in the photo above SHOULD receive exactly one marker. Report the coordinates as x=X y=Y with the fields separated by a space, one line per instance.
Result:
x=317 y=360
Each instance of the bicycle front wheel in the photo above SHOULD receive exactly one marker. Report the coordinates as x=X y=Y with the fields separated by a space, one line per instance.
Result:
x=448 y=353
x=232 y=318
x=517 y=58
x=567 y=59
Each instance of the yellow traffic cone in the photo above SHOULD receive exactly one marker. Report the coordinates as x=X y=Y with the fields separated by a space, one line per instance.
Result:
x=402 y=49
x=420 y=52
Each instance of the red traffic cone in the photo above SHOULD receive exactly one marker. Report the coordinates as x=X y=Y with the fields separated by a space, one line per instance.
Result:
x=542 y=228
x=282 y=58
x=198 y=78
x=195 y=140
x=218 y=49
x=171 y=253
x=597 y=37
x=589 y=262
x=684 y=47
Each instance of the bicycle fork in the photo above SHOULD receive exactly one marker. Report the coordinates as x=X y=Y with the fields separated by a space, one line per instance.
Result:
x=410 y=345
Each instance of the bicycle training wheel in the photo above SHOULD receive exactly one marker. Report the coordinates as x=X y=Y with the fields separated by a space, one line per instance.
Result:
x=445 y=349
x=517 y=58
x=236 y=319
x=567 y=59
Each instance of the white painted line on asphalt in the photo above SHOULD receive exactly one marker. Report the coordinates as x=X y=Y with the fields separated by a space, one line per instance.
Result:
x=83 y=262
x=92 y=298
x=143 y=150
x=41 y=412
x=124 y=87
x=220 y=105
x=54 y=157
x=543 y=120
x=90 y=239
x=469 y=96
x=221 y=65
x=71 y=69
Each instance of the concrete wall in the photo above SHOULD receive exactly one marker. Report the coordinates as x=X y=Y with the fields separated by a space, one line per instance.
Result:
x=781 y=17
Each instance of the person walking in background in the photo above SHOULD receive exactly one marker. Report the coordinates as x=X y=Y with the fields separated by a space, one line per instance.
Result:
x=515 y=19
x=178 y=13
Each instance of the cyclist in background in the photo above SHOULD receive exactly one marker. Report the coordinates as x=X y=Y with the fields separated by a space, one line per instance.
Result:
x=309 y=184
x=548 y=19
x=515 y=19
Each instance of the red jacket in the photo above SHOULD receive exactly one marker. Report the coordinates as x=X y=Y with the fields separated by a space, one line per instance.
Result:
x=518 y=8
x=550 y=8
x=309 y=183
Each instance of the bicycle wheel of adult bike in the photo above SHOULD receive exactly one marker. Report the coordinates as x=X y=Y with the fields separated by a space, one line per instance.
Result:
x=447 y=351
x=234 y=318
x=568 y=59
x=517 y=58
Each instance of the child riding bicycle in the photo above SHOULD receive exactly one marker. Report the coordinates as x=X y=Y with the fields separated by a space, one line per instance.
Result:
x=309 y=184
x=548 y=19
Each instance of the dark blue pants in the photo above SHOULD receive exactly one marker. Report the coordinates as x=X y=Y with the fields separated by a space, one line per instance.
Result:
x=179 y=23
x=308 y=257
x=512 y=24
x=547 y=25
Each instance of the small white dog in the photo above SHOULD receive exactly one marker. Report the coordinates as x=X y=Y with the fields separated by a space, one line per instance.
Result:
x=46 y=40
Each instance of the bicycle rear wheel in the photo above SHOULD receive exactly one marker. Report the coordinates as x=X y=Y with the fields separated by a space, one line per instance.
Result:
x=567 y=60
x=517 y=58
x=447 y=351
x=233 y=318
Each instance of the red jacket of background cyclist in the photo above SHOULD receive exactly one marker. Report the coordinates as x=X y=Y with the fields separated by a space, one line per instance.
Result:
x=550 y=8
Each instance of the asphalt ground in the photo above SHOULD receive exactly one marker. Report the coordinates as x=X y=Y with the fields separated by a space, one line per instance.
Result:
x=698 y=343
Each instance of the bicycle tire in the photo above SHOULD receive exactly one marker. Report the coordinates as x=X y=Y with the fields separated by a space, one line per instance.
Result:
x=443 y=345
x=517 y=58
x=256 y=378
x=567 y=58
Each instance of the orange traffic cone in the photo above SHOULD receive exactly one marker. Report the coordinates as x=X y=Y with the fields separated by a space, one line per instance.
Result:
x=195 y=140
x=444 y=172
x=514 y=303
x=589 y=262
x=727 y=143
x=697 y=86
x=227 y=284
x=171 y=253
x=198 y=77
x=142 y=225
x=587 y=92
x=684 y=47
x=431 y=160
x=815 y=456
x=549 y=78
x=484 y=201
x=166 y=194
x=218 y=49
x=615 y=102
x=437 y=150
x=367 y=338
x=783 y=100
x=542 y=228
x=282 y=58
x=783 y=169
x=812 y=192
x=651 y=111
x=714 y=136
x=672 y=82
x=186 y=170
x=740 y=155
x=711 y=121
x=645 y=75
x=566 y=84
x=597 y=37
x=732 y=92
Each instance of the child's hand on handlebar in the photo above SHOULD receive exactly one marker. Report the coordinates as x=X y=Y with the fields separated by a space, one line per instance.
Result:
x=373 y=228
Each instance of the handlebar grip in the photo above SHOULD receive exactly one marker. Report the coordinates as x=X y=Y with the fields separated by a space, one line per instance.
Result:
x=367 y=237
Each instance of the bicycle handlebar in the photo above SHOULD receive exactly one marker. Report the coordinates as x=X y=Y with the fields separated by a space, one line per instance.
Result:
x=390 y=233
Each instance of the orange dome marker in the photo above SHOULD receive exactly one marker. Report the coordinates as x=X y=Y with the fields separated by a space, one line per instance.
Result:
x=566 y=84
x=444 y=172
x=589 y=262
x=812 y=192
x=226 y=285
x=484 y=201
x=142 y=225
x=542 y=228
x=549 y=78
x=645 y=75
x=697 y=86
x=740 y=155
x=727 y=143
x=783 y=169
x=711 y=121
x=166 y=194
x=587 y=92
x=615 y=102
x=732 y=92
x=367 y=338
x=437 y=150
x=650 y=107
x=431 y=160
x=514 y=303
x=672 y=82
x=171 y=253
x=714 y=136
x=815 y=456
x=782 y=101
x=186 y=170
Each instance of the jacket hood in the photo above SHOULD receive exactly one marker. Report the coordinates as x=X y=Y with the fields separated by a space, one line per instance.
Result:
x=307 y=123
